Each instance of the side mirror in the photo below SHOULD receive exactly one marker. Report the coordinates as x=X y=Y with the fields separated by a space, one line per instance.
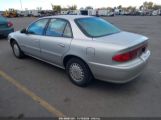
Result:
x=23 y=31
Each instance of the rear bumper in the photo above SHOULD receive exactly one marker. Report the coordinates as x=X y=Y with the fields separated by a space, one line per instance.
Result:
x=120 y=73
x=5 y=32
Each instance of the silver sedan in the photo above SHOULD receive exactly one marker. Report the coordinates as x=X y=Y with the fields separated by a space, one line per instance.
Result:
x=86 y=47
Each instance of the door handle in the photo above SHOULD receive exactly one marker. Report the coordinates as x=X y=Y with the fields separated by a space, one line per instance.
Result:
x=61 y=45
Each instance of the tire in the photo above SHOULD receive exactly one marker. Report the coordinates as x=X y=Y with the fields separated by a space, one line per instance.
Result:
x=78 y=72
x=16 y=50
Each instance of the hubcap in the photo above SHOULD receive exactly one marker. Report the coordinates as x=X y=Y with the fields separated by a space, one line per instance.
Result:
x=16 y=50
x=76 y=72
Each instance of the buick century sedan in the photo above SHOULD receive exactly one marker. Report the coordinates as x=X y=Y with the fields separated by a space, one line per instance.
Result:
x=86 y=47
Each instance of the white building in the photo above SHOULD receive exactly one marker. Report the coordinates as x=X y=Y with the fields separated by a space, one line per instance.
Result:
x=23 y=13
x=118 y=11
x=64 y=12
x=156 y=12
x=103 y=12
x=34 y=13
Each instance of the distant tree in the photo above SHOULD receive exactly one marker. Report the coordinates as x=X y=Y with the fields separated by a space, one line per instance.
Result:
x=73 y=7
x=103 y=8
x=119 y=7
x=89 y=7
x=145 y=5
x=141 y=7
x=39 y=8
x=151 y=4
x=148 y=5
x=109 y=8
x=56 y=8
x=124 y=9
x=131 y=9
x=156 y=7
x=114 y=8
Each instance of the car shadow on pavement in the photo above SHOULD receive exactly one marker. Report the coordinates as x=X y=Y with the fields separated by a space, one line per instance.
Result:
x=3 y=38
x=131 y=87
x=52 y=67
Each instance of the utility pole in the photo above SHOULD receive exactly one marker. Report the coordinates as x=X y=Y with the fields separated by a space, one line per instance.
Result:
x=21 y=4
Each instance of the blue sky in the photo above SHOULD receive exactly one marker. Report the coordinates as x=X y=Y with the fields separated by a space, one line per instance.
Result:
x=46 y=4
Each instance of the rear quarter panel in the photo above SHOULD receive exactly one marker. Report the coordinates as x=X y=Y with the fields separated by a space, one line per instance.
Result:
x=92 y=51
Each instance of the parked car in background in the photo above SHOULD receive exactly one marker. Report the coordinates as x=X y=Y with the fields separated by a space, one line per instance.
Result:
x=6 y=26
x=1 y=13
x=87 y=47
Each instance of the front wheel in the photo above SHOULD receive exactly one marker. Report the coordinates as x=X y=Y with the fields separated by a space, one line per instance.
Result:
x=78 y=72
x=16 y=50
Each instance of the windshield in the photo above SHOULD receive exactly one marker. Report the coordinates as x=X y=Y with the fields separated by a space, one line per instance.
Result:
x=96 y=27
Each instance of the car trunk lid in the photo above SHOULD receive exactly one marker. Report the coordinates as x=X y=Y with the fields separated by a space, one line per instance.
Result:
x=130 y=45
x=124 y=39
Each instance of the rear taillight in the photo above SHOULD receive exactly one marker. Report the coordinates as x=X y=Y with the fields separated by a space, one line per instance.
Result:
x=129 y=55
x=125 y=56
x=10 y=24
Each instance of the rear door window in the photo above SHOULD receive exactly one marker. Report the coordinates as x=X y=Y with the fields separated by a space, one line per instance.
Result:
x=67 y=31
x=56 y=28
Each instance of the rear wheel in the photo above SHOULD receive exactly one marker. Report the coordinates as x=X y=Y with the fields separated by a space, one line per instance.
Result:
x=78 y=72
x=16 y=50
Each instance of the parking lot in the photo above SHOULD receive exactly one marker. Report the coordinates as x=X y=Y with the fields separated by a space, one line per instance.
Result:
x=31 y=88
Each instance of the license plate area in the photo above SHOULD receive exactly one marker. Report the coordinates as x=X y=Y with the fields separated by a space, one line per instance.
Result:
x=141 y=50
x=145 y=55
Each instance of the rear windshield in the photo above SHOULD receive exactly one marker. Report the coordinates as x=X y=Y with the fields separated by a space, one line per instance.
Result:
x=96 y=27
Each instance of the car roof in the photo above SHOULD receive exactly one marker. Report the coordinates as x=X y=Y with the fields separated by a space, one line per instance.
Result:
x=68 y=17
